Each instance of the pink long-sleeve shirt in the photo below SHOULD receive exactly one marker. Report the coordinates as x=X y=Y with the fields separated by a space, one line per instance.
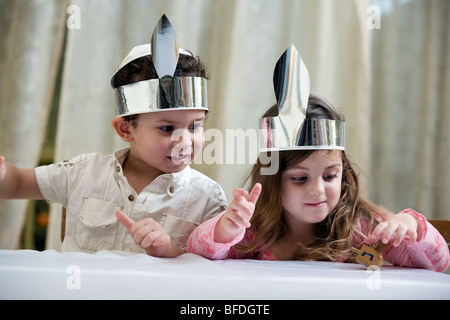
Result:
x=429 y=252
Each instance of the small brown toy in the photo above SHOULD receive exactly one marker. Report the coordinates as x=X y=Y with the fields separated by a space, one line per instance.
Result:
x=369 y=256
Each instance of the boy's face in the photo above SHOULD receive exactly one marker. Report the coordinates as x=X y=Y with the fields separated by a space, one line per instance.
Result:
x=168 y=140
x=311 y=189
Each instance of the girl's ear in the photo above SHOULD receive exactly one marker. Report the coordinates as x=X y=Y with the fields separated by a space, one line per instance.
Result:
x=122 y=128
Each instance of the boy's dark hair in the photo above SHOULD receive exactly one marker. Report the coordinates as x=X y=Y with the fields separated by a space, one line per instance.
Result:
x=142 y=69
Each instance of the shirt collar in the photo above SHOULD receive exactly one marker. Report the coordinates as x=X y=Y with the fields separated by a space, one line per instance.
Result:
x=121 y=154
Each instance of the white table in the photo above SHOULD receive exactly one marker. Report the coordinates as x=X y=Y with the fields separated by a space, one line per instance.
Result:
x=28 y=274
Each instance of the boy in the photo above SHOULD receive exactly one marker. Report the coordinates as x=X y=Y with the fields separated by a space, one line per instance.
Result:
x=161 y=106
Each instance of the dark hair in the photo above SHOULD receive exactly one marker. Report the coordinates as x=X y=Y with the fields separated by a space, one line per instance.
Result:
x=142 y=69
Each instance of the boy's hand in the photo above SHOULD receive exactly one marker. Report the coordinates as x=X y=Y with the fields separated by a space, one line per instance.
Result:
x=238 y=214
x=394 y=229
x=150 y=235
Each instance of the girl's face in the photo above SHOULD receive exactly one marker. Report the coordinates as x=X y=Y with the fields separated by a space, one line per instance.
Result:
x=168 y=140
x=311 y=189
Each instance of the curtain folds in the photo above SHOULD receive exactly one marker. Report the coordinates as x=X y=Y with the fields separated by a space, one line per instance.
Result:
x=30 y=46
x=410 y=108
x=391 y=82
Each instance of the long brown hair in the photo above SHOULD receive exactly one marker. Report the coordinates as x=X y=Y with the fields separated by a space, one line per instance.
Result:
x=334 y=235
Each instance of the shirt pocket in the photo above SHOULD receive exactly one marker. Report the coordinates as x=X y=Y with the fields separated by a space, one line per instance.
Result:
x=178 y=229
x=97 y=225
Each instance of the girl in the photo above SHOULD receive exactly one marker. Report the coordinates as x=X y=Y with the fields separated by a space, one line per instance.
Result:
x=311 y=209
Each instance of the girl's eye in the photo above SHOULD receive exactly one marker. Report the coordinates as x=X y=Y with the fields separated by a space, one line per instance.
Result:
x=166 y=128
x=298 y=179
x=330 y=177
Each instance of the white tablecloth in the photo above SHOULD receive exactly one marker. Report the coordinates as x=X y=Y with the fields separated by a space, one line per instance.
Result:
x=28 y=274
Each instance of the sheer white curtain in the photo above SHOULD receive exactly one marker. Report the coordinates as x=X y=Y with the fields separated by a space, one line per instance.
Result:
x=411 y=107
x=31 y=34
x=391 y=83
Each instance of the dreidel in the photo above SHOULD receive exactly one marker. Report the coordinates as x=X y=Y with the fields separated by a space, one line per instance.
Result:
x=369 y=256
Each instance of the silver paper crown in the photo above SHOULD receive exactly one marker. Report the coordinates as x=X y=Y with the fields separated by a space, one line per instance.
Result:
x=167 y=92
x=291 y=130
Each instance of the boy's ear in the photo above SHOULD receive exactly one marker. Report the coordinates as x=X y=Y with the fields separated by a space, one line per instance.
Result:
x=122 y=128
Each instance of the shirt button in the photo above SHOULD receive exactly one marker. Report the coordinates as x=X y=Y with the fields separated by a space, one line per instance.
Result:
x=131 y=197
x=171 y=189
x=118 y=168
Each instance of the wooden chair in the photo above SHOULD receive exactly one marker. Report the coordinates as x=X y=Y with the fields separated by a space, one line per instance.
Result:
x=443 y=226
x=63 y=224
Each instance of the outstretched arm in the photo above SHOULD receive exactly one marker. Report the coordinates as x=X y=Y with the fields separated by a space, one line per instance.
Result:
x=414 y=241
x=214 y=238
x=237 y=215
x=16 y=183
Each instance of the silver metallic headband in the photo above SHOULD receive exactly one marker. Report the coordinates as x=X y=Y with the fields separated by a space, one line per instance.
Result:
x=167 y=92
x=291 y=130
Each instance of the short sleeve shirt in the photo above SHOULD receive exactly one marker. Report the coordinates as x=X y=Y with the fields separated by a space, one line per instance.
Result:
x=92 y=188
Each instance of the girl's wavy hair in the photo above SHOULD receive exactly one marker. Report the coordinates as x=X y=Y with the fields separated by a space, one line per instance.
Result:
x=334 y=235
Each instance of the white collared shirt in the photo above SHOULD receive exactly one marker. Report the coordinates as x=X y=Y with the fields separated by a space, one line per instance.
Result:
x=92 y=187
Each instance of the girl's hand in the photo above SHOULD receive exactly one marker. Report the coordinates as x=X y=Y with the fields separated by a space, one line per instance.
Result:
x=394 y=229
x=237 y=215
x=150 y=235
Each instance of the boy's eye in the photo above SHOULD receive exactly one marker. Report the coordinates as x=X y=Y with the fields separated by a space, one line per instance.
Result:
x=196 y=125
x=166 y=128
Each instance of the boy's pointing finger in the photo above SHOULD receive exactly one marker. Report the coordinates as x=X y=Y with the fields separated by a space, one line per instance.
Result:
x=126 y=221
